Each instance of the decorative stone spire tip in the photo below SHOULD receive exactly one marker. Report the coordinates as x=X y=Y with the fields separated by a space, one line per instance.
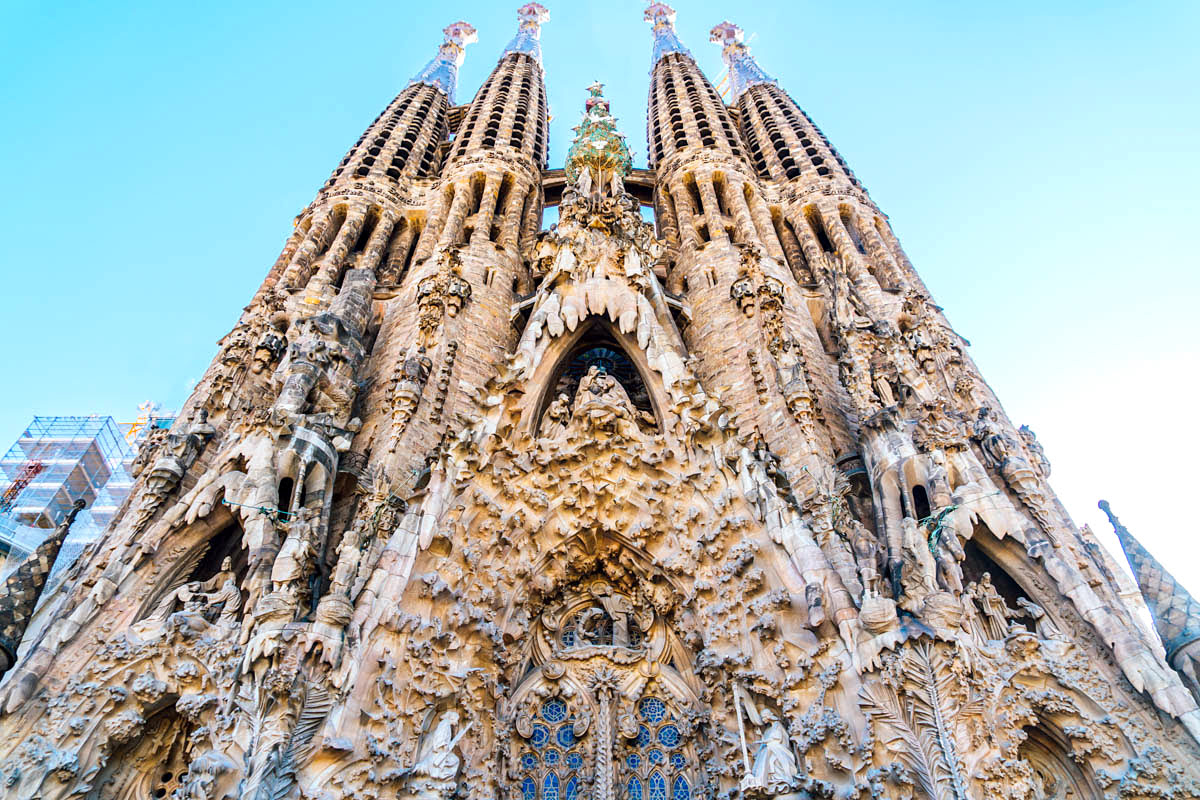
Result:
x=442 y=70
x=744 y=71
x=662 y=20
x=530 y=18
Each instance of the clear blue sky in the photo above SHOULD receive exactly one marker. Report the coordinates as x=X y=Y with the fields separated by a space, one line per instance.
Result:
x=1037 y=160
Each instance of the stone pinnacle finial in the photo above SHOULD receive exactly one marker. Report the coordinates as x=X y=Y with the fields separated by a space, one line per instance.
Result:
x=23 y=588
x=530 y=18
x=744 y=71
x=662 y=19
x=442 y=70
x=598 y=145
x=1176 y=614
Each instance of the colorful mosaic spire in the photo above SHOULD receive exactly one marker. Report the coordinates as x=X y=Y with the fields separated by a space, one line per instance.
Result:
x=530 y=18
x=598 y=144
x=23 y=588
x=662 y=17
x=442 y=70
x=1176 y=614
x=744 y=71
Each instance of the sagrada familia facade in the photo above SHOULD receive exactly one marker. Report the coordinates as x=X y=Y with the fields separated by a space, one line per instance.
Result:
x=716 y=507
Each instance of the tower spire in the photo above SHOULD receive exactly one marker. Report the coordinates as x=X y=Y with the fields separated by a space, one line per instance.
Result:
x=744 y=71
x=530 y=18
x=1176 y=614
x=442 y=70
x=23 y=588
x=662 y=18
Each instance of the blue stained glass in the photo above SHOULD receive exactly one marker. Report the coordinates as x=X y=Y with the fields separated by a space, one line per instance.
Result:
x=573 y=789
x=658 y=786
x=541 y=735
x=568 y=637
x=653 y=709
x=574 y=760
x=554 y=710
x=677 y=760
x=643 y=739
x=633 y=789
x=655 y=756
x=550 y=787
x=551 y=757
x=680 y=789
x=528 y=760
x=528 y=789
x=565 y=736
x=668 y=736
x=634 y=761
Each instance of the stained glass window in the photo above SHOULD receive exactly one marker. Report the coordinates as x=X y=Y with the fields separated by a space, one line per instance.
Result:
x=653 y=710
x=668 y=736
x=658 y=786
x=653 y=762
x=550 y=773
x=565 y=736
x=554 y=711
x=541 y=735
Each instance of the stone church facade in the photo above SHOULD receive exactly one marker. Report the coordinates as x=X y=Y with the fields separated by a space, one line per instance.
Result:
x=715 y=507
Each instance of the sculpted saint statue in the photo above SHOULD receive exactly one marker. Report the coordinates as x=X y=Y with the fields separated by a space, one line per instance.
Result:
x=295 y=558
x=433 y=775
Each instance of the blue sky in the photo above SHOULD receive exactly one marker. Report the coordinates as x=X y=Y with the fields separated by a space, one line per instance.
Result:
x=1037 y=160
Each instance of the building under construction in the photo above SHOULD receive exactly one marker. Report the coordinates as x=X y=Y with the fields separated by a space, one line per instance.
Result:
x=56 y=461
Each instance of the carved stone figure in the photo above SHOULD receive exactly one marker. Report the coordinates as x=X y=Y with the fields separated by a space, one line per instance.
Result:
x=775 y=767
x=558 y=415
x=177 y=452
x=437 y=765
x=295 y=562
x=866 y=555
x=408 y=385
x=995 y=612
x=1037 y=454
x=919 y=570
x=193 y=606
x=268 y=351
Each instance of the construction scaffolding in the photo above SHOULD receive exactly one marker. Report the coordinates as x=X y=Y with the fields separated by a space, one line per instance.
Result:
x=84 y=458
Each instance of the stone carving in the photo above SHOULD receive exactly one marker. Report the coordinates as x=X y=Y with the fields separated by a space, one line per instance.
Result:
x=940 y=427
x=411 y=376
x=175 y=455
x=1003 y=452
x=433 y=774
x=193 y=608
x=775 y=770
